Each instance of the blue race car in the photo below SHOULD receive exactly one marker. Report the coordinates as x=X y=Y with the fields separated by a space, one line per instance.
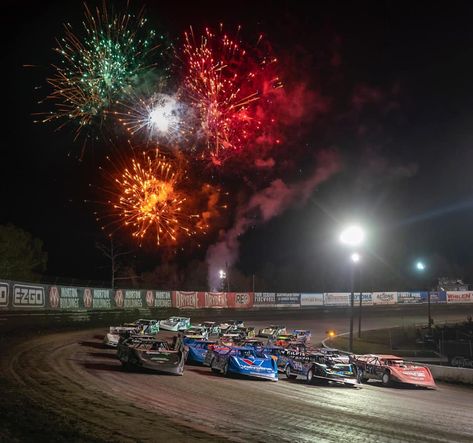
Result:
x=244 y=361
x=197 y=350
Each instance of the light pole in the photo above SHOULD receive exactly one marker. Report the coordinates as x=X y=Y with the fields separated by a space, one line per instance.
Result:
x=222 y=275
x=352 y=236
x=421 y=267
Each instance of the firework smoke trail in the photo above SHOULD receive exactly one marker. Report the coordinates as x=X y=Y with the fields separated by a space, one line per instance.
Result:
x=224 y=81
x=147 y=197
x=96 y=70
x=266 y=204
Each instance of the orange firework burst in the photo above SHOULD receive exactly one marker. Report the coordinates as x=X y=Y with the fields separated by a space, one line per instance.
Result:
x=149 y=199
x=224 y=82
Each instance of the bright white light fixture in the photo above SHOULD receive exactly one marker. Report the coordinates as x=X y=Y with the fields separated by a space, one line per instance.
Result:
x=420 y=266
x=352 y=236
x=222 y=274
x=355 y=257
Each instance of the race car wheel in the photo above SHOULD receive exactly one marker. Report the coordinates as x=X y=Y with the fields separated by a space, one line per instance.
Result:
x=288 y=373
x=310 y=375
x=225 y=370
x=361 y=376
x=215 y=370
x=386 y=379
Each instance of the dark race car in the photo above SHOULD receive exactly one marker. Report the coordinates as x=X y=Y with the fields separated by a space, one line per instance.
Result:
x=145 y=351
x=312 y=370
x=391 y=369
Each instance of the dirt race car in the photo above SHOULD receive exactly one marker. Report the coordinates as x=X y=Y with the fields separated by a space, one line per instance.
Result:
x=242 y=361
x=197 y=333
x=391 y=369
x=175 y=324
x=302 y=335
x=310 y=368
x=226 y=324
x=198 y=350
x=112 y=337
x=272 y=331
x=145 y=351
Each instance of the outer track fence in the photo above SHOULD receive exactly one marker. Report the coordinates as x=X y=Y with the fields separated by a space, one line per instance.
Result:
x=33 y=296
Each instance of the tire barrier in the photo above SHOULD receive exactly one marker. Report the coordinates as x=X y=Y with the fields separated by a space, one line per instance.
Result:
x=33 y=296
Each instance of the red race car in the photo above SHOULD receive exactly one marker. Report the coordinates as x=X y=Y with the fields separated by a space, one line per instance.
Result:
x=390 y=369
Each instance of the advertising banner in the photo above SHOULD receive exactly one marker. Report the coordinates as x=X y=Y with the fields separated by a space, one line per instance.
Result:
x=366 y=299
x=128 y=298
x=162 y=299
x=409 y=297
x=62 y=297
x=97 y=298
x=4 y=294
x=384 y=298
x=240 y=299
x=337 y=299
x=185 y=300
x=315 y=299
x=459 y=297
x=29 y=296
x=436 y=297
x=265 y=299
x=288 y=300
x=215 y=300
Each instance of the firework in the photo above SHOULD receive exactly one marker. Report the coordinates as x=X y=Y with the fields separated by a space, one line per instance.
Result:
x=97 y=69
x=161 y=117
x=231 y=88
x=148 y=198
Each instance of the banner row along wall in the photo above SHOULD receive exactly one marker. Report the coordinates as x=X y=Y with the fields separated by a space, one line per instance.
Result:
x=18 y=295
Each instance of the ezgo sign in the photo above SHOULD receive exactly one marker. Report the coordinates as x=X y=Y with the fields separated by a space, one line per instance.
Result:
x=26 y=296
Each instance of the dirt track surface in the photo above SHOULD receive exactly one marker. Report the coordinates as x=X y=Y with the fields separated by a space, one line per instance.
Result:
x=72 y=374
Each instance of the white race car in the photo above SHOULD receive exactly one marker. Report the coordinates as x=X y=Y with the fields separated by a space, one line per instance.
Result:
x=175 y=324
x=144 y=326
x=197 y=333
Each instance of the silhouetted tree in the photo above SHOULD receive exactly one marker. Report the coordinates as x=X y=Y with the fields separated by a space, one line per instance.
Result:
x=21 y=255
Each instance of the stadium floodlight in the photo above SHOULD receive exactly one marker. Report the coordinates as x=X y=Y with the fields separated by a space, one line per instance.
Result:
x=222 y=274
x=420 y=266
x=352 y=236
x=355 y=257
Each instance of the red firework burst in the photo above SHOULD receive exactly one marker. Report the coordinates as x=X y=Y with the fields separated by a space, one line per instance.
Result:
x=231 y=88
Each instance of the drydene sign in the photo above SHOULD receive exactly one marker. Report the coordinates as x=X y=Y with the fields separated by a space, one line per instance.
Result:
x=28 y=296
x=185 y=300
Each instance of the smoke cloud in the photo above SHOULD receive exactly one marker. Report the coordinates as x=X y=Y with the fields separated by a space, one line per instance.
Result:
x=262 y=207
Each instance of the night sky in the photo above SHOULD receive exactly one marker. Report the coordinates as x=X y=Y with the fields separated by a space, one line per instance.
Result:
x=394 y=86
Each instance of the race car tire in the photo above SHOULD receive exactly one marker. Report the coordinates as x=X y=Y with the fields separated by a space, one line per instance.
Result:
x=214 y=370
x=386 y=379
x=287 y=371
x=310 y=375
x=225 y=370
x=361 y=376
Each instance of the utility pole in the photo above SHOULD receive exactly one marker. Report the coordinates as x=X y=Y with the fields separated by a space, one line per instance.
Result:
x=359 y=314
x=352 y=302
